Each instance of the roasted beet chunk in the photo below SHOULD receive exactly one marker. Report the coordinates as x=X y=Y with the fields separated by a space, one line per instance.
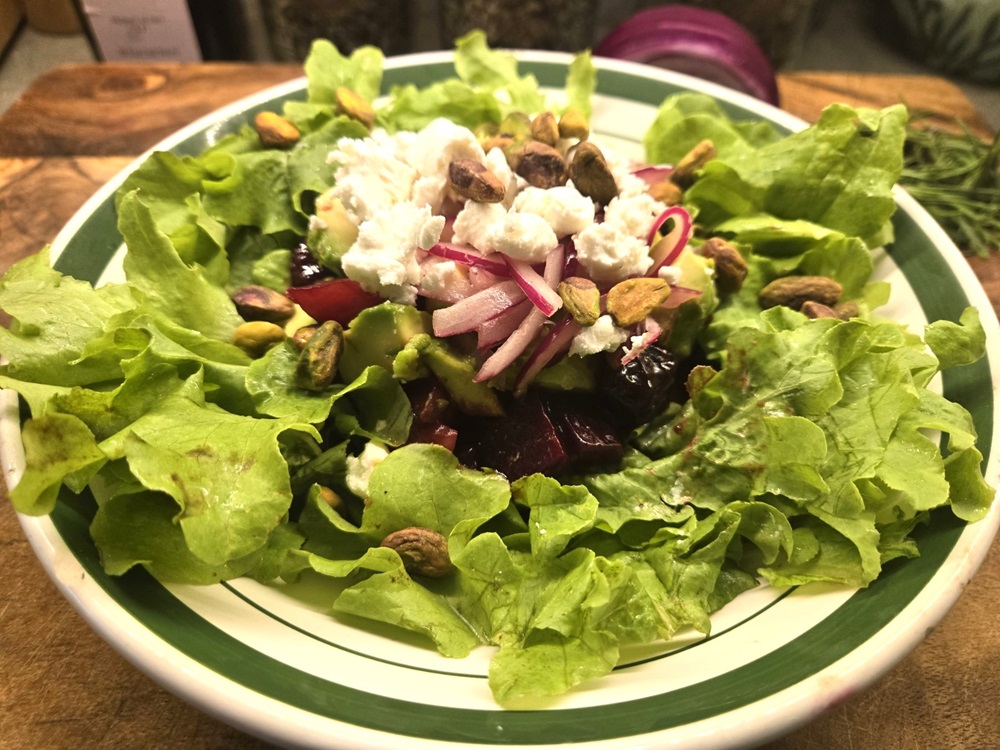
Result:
x=439 y=434
x=522 y=442
x=432 y=413
x=643 y=388
x=586 y=432
x=542 y=433
x=429 y=401
x=305 y=268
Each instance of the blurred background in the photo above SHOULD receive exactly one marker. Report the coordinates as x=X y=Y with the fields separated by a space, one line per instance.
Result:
x=959 y=39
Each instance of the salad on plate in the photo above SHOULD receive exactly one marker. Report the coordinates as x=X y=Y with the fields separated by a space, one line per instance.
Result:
x=497 y=382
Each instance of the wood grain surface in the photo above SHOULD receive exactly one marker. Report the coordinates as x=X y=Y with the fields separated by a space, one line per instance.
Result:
x=61 y=686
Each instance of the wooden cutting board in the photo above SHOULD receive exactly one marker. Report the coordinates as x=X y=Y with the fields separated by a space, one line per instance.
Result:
x=61 y=686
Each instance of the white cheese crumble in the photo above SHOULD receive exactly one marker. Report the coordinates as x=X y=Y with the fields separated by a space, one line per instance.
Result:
x=564 y=208
x=369 y=178
x=616 y=248
x=431 y=151
x=496 y=162
x=383 y=259
x=477 y=224
x=429 y=191
x=621 y=169
x=360 y=468
x=439 y=275
x=634 y=215
x=525 y=237
x=670 y=274
x=316 y=224
x=603 y=336
x=439 y=144
x=610 y=254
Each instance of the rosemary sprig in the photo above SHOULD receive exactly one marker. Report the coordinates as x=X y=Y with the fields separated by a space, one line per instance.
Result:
x=956 y=177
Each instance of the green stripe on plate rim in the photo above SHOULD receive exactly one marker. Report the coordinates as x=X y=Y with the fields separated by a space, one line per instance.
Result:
x=861 y=617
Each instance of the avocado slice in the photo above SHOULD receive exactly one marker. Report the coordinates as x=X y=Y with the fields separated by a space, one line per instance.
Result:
x=456 y=371
x=334 y=236
x=684 y=323
x=397 y=337
x=377 y=335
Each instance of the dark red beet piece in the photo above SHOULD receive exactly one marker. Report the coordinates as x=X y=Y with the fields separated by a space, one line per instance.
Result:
x=429 y=401
x=643 y=388
x=587 y=434
x=433 y=413
x=305 y=268
x=440 y=434
x=524 y=441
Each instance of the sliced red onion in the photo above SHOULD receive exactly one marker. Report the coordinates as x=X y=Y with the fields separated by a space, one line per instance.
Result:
x=480 y=278
x=571 y=266
x=650 y=333
x=468 y=256
x=695 y=41
x=654 y=173
x=667 y=248
x=513 y=347
x=678 y=296
x=556 y=341
x=540 y=290
x=495 y=330
x=448 y=232
x=469 y=313
x=555 y=263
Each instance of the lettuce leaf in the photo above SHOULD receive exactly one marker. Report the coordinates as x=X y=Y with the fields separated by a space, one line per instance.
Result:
x=838 y=173
x=581 y=81
x=141 y=529
x=778 y=249
x=327 y=69
x=156 y=271
x=488 y=86
x=55 y=318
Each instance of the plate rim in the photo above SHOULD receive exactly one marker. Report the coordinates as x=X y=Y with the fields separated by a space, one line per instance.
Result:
x=133 y=640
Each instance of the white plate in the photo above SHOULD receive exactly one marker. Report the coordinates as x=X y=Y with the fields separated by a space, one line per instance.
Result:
x=271 y=661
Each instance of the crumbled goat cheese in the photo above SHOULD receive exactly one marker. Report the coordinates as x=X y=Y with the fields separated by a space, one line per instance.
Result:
x=439 y=144
x=360 y=468
x=438 y=275
x=429 y=191
x=670 y=274
x=478 y=224
x=633 y=342
x=610 y=254
x=564 y=208
x=634 y=215
x=496 y=162
x=369 y=178
x=525 y=237
x=383 y=258
x=621 y=169
x=603 y=336
x=430 y=151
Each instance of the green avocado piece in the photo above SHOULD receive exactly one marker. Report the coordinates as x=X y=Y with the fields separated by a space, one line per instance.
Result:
x=685 y=322
x=456 y=372
x=569 y=374
x=334 y=236
x=397 y=338
x=377 y=335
